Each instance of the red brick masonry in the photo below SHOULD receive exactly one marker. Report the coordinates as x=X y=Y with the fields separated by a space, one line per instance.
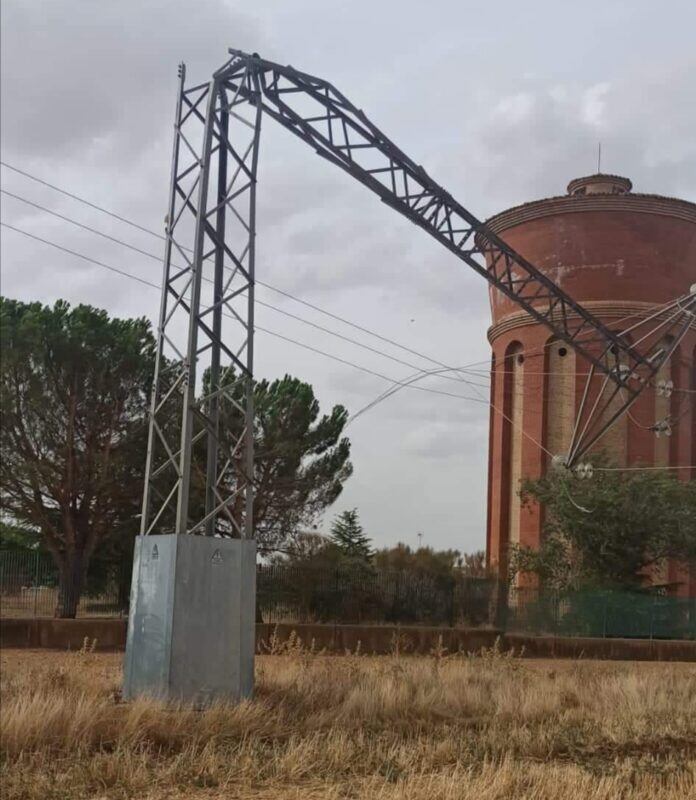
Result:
x=619 y=254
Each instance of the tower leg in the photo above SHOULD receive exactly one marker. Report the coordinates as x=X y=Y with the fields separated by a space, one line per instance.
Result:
x=192 y=622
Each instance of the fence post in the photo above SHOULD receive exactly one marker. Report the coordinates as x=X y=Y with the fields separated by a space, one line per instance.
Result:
x=500 y=605
x=36 y=580
x=451 y=602
x=652 y=615
x=604 y=620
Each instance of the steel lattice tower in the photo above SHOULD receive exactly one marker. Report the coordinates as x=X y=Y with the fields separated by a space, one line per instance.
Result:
x=191 y=623
x=206 y=317
x=207 y=313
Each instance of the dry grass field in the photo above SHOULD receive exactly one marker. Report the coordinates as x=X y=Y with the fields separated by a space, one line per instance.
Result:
x=418 y=728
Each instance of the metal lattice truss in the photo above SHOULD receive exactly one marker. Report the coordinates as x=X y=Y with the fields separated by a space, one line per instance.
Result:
x=604 y=401
x=206 y=318
x=217 y=136
x=320 y=115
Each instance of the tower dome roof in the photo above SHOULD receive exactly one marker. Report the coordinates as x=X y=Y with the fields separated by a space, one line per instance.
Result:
x=600 y=184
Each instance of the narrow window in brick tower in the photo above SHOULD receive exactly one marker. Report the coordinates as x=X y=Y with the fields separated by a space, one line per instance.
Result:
x=515 y=379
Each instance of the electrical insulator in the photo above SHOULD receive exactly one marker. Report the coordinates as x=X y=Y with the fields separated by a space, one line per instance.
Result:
x=662 y=427
x=558 y=462
x=584 y=470
x=665 y=388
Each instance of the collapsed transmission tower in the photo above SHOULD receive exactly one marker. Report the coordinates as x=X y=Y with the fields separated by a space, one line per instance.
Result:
x=207 y=311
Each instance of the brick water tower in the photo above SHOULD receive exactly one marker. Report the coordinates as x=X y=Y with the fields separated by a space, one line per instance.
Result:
x=621 y=255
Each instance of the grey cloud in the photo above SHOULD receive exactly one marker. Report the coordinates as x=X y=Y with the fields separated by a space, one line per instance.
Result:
x=499 y=104
x=443 y=440
x=81 y=75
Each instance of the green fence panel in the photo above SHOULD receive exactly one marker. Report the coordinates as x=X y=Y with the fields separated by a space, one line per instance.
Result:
x=641 y=615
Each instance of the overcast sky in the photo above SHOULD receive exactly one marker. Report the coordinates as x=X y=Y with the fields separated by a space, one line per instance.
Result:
x=501 y=102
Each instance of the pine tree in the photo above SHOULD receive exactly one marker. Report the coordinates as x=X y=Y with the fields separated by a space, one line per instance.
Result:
x=74 y=388
x=347 y=534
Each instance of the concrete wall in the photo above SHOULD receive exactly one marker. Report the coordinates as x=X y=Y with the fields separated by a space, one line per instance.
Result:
x=110 y=634
x=63 y=634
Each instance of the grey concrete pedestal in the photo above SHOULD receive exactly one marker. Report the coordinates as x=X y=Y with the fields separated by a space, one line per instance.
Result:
x=191 y=627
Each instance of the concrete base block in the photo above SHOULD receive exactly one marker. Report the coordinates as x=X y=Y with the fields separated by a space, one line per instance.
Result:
x=192 y=619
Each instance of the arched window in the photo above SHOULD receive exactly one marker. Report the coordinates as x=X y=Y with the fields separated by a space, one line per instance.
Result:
x=512 y=442
x=559 y=396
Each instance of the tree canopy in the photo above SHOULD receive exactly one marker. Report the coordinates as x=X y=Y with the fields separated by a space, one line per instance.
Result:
x=348 y=536
x=301 y=458
x=18 y=538
x=420 y=561
x=74 y=395
x=73 y=398
x=610 y=530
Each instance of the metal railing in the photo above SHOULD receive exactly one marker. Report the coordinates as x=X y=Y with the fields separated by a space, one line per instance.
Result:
x=29 y=588
x=363 y=594
x=602 y=613
x=360 y=594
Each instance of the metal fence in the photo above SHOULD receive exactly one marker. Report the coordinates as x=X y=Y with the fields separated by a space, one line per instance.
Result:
x=29 y=587
x=601 y=613
x=364 y=595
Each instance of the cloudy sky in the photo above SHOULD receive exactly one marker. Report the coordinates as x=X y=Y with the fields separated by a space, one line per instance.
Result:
x=502 y=103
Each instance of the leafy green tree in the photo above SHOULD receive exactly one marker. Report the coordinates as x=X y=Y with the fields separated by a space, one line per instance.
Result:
x=18 y=538
x=347 y=534
x=326 y=578
x=73 y=398
x=302 y=549
x=423 y=561
x=435 y=585
x=473 y=565
x=301 y=458
x=610 y=530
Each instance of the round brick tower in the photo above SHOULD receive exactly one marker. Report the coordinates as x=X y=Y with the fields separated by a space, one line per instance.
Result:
x=620 y=254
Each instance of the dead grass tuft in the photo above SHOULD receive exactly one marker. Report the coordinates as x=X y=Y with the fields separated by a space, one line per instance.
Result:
x=441 y=726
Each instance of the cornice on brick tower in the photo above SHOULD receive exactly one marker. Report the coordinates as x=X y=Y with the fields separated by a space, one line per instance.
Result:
x=618 y=253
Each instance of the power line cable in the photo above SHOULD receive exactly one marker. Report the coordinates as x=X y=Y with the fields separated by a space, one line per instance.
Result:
x=80 y=255
x=409 y=382
x=400 y=384
x=153 y=285
x=283 y=292
x=80 y=199
x=289 y=295
x=397 y=385
x=643 y=469
x=257 y=300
